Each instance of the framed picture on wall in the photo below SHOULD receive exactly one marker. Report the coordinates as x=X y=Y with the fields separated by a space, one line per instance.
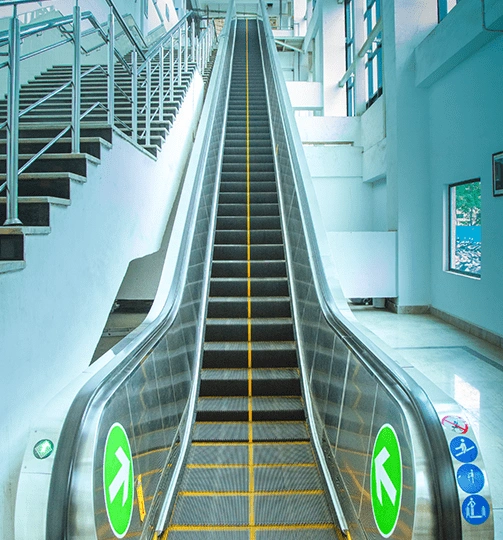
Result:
x=498 y=174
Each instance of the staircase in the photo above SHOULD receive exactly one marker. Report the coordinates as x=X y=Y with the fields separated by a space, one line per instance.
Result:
x=251 y=471
x=48 y=180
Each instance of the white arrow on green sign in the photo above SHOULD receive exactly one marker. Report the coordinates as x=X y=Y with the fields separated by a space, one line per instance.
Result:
x=386 y=480
x=118 y=480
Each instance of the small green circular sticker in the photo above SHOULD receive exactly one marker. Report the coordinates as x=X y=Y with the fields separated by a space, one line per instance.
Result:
x=386 y=480
x=43 y=449
x=118 y=480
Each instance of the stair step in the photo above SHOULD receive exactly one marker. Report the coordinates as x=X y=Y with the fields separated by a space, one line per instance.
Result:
x=88 y=145
x=74 y=163
x=33 y=211
x=11 y=244
x=46 y=184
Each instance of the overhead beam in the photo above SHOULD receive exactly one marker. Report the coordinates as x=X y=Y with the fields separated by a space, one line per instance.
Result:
x=284 y=44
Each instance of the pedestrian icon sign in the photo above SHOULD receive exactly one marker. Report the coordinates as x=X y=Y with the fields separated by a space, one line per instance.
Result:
x=118 y=480
x=470 y=478
x=386 y=480
x=475 y=509
x=464 y=449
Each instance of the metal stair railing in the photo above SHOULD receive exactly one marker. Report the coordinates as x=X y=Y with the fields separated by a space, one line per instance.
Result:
x=182 y=44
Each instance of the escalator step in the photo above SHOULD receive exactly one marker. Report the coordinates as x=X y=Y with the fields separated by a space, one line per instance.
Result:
x=279 y=329
x=238 y=307
x=240 y=252
x=239 y=287
x=235 y=355
x=239 y=431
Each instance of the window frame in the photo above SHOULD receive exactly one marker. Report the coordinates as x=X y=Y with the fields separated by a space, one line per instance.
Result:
x=349 y=28
x=371 y=16
x=451 y=229
x=443 y=8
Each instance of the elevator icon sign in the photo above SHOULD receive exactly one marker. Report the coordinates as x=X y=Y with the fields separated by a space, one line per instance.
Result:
x=386 y=480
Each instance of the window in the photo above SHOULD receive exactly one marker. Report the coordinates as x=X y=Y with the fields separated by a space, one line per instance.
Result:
x=444 y=6
x=465 y=228
x=350 y=55
x=373 y=65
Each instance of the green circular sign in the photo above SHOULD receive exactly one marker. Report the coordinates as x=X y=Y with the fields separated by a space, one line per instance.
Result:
x=386 y=480
x=118 y=480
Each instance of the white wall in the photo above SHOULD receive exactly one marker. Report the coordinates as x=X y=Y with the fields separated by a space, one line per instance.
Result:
x=406 y=24
x=53 y=312
x=366 y=263
x=465 y=117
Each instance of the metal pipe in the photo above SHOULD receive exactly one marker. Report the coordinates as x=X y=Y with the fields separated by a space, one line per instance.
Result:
x=161 y=84
x=171 y=71
x=186 y=48
x=192 y=41
x=148 y=99
x=111 y=68
x=13 y=123
x=179 y=58
x=134 y=95
x=76 y=86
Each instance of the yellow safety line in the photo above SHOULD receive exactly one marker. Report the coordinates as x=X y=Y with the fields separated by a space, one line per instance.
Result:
x=243 y=465
x=293 y=527
x=141 y=499
x=276 y=493
x=251 y=480
x=258 y=443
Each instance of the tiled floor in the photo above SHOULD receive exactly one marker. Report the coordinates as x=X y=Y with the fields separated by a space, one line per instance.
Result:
x=466 y=368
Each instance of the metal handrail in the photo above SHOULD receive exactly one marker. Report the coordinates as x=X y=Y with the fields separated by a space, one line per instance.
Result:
x=177 y=37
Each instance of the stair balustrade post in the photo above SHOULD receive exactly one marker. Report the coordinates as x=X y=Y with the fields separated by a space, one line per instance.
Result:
x=202 y=42
x=205 y=49
x=134 y=94
x=192 y=41
x=199 y=54
x=186 y=48
x=171 y=70
x=148 y=101
x=76 y=81
x=179 y=56
x=161 y=84
x=13 y=122
x=111 y=72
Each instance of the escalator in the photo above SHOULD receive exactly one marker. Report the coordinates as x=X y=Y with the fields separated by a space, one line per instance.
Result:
x=248 y=405
x=251 y=471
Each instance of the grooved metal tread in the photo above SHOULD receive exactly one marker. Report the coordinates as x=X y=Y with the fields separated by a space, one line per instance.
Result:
x=251 y=472
x=225 y=374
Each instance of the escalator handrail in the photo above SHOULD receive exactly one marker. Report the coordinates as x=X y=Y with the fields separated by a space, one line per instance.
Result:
x=388 y=372
x=123 y=358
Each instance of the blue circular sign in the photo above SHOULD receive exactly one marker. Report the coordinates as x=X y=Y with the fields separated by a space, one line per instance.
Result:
x=475 y=509
x=470 y=478
x=464 y=449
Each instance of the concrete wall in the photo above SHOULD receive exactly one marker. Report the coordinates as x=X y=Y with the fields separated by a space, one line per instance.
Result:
x=53 y=312
x=465 y=117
